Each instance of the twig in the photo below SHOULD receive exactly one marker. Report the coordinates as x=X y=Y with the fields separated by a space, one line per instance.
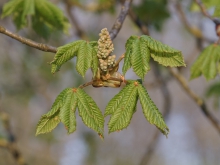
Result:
x=196 y=98
x=10 y=143
x=119 y=60
x=120 y=20
x=28 y=42
x=79 y=30
x=203 y=9
x=86 y=84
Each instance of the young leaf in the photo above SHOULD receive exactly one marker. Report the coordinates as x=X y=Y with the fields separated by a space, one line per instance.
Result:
x=84 y=58
x=51 y=15
x=115 y=101
x=95 y=62
x=65 y=53
x=90 y=113
x=162 y=53
x=58 y=103
x=150 y=110
x=140 y=58
x=47 y=124
x=127 y=58
x=19 y=9
x=67 y=111
x=122 y=114
x=206 y=63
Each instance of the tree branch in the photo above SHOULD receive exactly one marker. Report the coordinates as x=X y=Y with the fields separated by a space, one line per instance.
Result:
x=203 y=9
x=28 y=42
x=120 y=20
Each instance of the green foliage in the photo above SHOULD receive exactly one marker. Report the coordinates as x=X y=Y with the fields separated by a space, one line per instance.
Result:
x=214 y=90
x=85 y=52
x=123 y=110
x=150 y=110
x=45 y=16
x=207 y=63
x=217 y=11
x=139 y=50
x=206 y=3
x=152 y=12
x=64 y=109
x=123 y=105
x=90 y=112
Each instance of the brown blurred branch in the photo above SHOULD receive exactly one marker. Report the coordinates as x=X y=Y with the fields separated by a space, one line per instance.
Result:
x=183 y=83
x=69 y=8
x=203 y=9
x=28 y=42
x=10 y=143
x=120 y=20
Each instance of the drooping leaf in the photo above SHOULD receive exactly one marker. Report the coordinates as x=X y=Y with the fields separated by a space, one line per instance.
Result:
x=124 y=110
x=150 y=110
x=51 y=15
x=19 y=9
x=163 y=54
x=140 y=58
x=84 y=58
x=127 y=58
x=47 y=124
x=90 y=113
x=67 y=111
x=206 y=63
x=95 y=62
x=58 y=103
x=66 y=52
x=214 y=90
x=115 y=101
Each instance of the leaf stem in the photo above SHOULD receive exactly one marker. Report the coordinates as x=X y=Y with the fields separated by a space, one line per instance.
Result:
x=86 y=84
x=28 y=42
x=119 y=60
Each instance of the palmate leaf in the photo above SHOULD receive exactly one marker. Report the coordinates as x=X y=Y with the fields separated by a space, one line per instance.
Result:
x=47 y=124
x=95 y=61
x=163 y=54
x=67 y=112
x=217 y=11
x=206 y=63
x=89 y=112
x=139 y=50
x=150 y=110
x=124 y=110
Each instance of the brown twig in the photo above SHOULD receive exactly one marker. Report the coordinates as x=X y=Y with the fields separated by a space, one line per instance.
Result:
x=10 y=143
x=119 y=60
x=28 y=42
x=120 y=20
x=86 y=84
x=203 y=9
x=196 y=98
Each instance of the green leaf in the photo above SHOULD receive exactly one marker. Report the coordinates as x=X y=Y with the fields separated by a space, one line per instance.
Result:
x=84 y=58
x=163 y=54
x=214 y=90
x=127 y=58
x=206 y=3
x=115 y=101
x=58 y=103
x=90 y=113
x=150 y=110
x=19 y=9
x=140 y=58
x=206 y=63
x=124 y=110
x=47 y=124
x=51 y=15
x=95 y=61
x=67 y=111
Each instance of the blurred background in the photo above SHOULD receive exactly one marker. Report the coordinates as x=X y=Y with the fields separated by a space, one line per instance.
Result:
x=28 y=89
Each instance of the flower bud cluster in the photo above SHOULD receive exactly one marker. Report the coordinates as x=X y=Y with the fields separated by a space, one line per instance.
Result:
x=105 y=47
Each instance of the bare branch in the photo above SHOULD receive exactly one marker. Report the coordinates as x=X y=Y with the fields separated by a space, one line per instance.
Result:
x=203 y=9
x=196 y=98
x=120 y=20
x=28 y=42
